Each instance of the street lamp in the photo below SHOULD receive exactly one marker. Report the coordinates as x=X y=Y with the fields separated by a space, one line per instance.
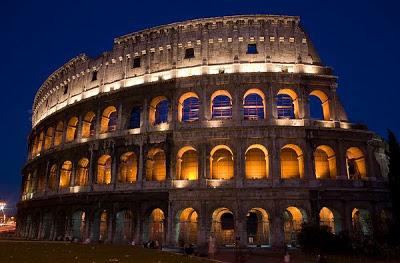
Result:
x=2 y=206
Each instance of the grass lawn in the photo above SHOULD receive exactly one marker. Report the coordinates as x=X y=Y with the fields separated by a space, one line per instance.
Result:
x=47 y=252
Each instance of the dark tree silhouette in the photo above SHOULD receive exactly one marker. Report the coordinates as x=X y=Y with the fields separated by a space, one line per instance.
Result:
x=394 y=180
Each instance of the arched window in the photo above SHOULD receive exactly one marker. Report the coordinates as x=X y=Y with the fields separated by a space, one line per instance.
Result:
x=40 y=143
x=287 y=104
x=293 y=219
x=188 y=107
x=104 y=170
x=362 y=223
x=253 y=105
x=156 y=226
x=65 y=175
x=59 y=133
x=52 y=183
x=221 y=163
x=109 y=120
x=82 y=173
x=156 y=165
x=89 y=125
x=257 y=224
x=49 y=138
x=123 y=227
x=256 y=162
x=134 y=121
x=355 y=162
x=319 y=106
x=71 y=129
x=292 y=165
x=221 y=105
x=329 y=219
x=161 y=113
x=187 y=164
x=128 y=168
x=223 y=227
x=187 y=226
x=325 y=162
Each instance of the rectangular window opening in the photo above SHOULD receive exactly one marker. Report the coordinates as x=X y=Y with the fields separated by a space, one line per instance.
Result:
x=252 y=49
x=189 y=53
x=94 y=75
x=136 y=62
x=65 y=89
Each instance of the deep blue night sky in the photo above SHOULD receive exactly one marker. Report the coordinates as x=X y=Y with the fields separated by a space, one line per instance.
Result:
x=359 y=39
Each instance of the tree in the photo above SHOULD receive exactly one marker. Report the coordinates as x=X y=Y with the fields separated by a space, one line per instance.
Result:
x=394 y=180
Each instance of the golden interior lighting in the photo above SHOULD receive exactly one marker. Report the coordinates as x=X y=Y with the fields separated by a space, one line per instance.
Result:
x=82 y=173
x=292 y=163
x=355 y=162
x=71 y=129
x=256 y=159
x=153 y=106
x=221 y=162
x=324 y=103
x=156 y=165
x=65 y=174
x=88 y=125
x=104 y=170
x=325 y=162
x=106 y=125
x=187 y=164
x=52 y=184
x=59 y=133
x=187 y=226
x=128 y=168
x=49 y=138
x=326 y=218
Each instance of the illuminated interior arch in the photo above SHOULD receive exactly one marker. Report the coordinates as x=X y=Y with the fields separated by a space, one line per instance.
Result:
x=48 y=140
x=34 y=146
x=109 y=120
x=221 y=105
x=324 y=103
x=187 y=164
x=187 y=226
x=65 y=174
x=59 y=133
x=40 y=142
x=257 y=164
x=156 y=165
x=158 y=112
x=327 y=218
x=292 y=162
x=52 y=183
x=361 y=222
x=258 y=227
x=71 y=129
x=82 y=172
x=287 y=104
x=124 y=227
x=89 y=125
x=128 y=168
x=78 y=225
x=104 y=170
x=355 y=163
x=254 y=105
x=221 y=161
x=103 y=226
x=293 y=219
x=188 y=107
x=325 y=162
x=156 y=226
x=223 y=226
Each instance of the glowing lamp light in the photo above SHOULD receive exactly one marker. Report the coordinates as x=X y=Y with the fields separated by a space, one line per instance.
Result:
x=3 y=205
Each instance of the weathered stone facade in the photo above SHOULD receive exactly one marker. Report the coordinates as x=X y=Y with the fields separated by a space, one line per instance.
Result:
x=347 y=179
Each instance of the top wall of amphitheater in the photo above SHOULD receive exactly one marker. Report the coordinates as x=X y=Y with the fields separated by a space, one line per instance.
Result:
x=220 y=46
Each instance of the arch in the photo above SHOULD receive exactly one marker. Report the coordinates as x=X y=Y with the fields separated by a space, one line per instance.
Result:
x=187 y=164
x=355 y=163
x=293 y=217
x=330 y=219
x=256 y=162
x=40 y=142
x=52 y=183
x=292 y=162
x=223 y=227
x=104 y=169
x=123 y=227
x=134 y=120
x=89 y=125
x=65 y=174
x=287 y=104
x=158 y=112
x=188 y=107
x=156 y=169
x=186 y=227
x=221 y=105
x=48 y=138
x=82 y=173
x=361 y=223
x=78 y=221
x=254 y=105
x=100 y=226
x=324 y=104
x=109 y=120
x=71 y=129
x=128 y=168
x=34 y=147
x=59 y=133
x=155 y=226
x=258 y=227
x=325 y=162
x=60 y=225
x=46 y=225
x=221 y=161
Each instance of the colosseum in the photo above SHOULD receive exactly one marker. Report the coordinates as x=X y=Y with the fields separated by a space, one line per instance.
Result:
x=226 y=127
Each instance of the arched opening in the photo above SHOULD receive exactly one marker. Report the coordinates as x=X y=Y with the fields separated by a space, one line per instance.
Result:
x=287 y=104
x=361 y=222
x=100 y=226
x=325 y=162
x=355 y=163
x=189 y=107
x=256 y=159
x=34 y=147
x=52 y=183
x=65 y=174
x=71 y=129
x=59 y=133
x=221 y=105
x=330 y=219
x=187 y=165
x=89 y=125
x=47 y=221
x=40 y=143
x=123 y=227
x=128 y=168
x=49 y=138
x=104 y=170
x=257 y=225
x=134 y=120
x=254 y=105
x=156 y=165
x=78 y=225
x=319 y=106
x=60 y=225
x=82 y=173
x=292 y=163
x=293 y=220
x=221 y=161
x=223 y=227
x=186 y=228
x=109 y=120
x=158 y=112
x=155 y=227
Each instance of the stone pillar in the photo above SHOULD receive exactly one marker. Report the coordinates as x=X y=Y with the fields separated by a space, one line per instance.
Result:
x=272 y=103
x=341 y=161
x=277 y=229
x=370 y=162
x=92 y=166
x=170 y=226
x=239 y=164
x=275 y=162
x=308 y=153
x=140 y=169
x=203 y=165
x=79 y=128
x=202 y=220
x=114 y=169
x=119 y=120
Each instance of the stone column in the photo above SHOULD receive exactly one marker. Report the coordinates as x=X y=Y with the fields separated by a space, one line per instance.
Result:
x=202 y=220
x=140 y=169
x=277 y=229
x=92 y=166
x=272 y=103
x=341 y=161
x=79 y=128
x=275 y=161
x=239 y=172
